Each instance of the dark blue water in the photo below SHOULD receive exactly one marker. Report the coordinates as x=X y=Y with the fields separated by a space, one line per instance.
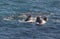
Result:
x=11 y=11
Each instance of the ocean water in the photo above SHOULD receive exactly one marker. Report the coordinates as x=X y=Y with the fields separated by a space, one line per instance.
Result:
x=13 y=12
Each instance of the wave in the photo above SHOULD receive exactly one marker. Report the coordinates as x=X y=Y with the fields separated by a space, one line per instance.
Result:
x=8 y=18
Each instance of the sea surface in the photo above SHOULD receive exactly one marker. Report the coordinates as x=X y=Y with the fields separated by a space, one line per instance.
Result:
x=13 y=12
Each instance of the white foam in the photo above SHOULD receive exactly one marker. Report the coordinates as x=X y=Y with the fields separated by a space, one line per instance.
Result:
x=31 y=20
x=8 y=18
x=22 y=16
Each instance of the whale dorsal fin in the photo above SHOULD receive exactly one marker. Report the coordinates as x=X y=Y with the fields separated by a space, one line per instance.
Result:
x=28 y=18
x=46 y=18
x=38 y=19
